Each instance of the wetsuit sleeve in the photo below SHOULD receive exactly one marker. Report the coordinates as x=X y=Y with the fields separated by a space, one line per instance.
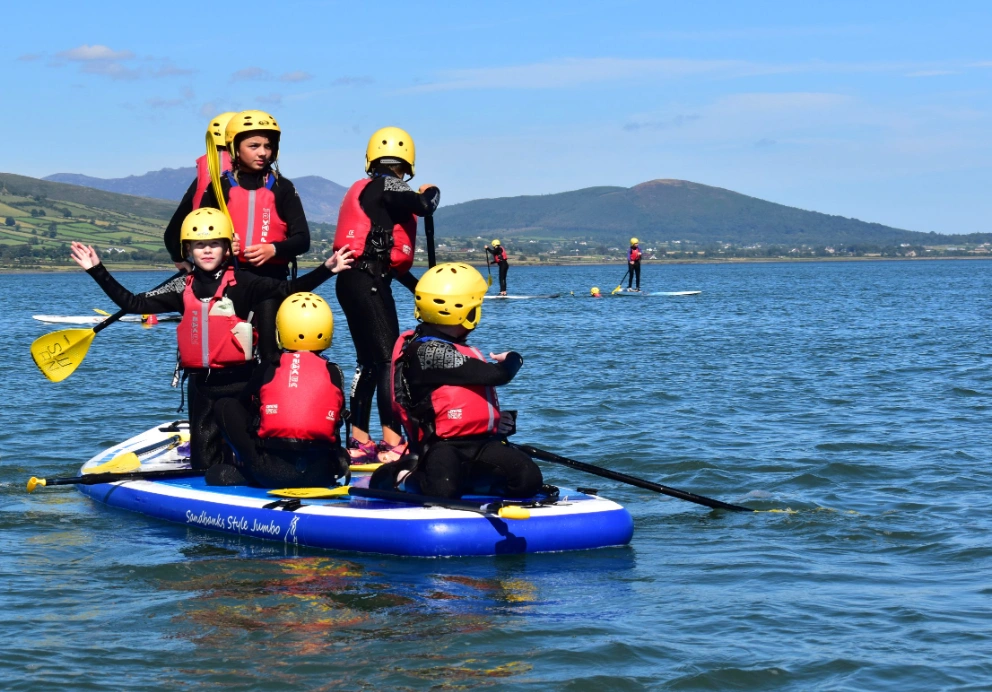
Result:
x=259 y=288
x=290 y=209
x=408 y=280
x=491 y=251
x=437 y=362
x=171 y=238
x=168 y=298
x=398 y=198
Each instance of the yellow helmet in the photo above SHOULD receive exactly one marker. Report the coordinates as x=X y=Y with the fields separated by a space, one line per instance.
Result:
x=217 y=126
x=594 y=291
x=251 y=121
x=633 y=241
x=304 y=322
x=390 y=143
x=450 y=294
x=206 y=223
x=495 y=243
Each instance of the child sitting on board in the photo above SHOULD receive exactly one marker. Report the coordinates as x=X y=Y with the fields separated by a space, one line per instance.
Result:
x=444 y=391
x=284 y=428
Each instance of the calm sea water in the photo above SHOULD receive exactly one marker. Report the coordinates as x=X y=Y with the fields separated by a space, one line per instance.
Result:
x=857 y=394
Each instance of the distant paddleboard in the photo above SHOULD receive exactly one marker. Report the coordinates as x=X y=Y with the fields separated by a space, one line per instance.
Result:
x=97 y=319
x=644 y=294
x=546 y=295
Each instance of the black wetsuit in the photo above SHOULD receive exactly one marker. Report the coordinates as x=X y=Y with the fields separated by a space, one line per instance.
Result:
x=633 y=268
x=499 y=256
x=290 y=209
x=206 y=385
x=273 y=462
x=449 y=468
x=366 y=294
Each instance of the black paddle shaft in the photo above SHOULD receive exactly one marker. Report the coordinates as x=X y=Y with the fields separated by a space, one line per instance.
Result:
x=427 y=501
x=120 y=313
x=429 y=234
x=630 y=480
x=96 y=478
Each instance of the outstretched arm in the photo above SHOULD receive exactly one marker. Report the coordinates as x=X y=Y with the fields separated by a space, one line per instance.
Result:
x=168 y=298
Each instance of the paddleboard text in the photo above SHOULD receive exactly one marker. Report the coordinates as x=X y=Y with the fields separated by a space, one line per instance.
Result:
x=232 y=523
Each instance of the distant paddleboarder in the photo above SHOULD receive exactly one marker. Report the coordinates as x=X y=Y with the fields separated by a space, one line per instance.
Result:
x=499 y=257
x=594 y=292
x=634 y=265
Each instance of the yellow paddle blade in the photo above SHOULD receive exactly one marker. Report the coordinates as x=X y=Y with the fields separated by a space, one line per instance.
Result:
x=34 y=483
x=311 y=493
x=365 y=467
x=514 y=512
x=58 y=354
x=489 y=280
x=101 y=312
x=213 y=165
x=122 y=463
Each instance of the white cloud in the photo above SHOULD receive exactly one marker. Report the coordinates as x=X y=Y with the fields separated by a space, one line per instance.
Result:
x=85 y=53
x=297 y=76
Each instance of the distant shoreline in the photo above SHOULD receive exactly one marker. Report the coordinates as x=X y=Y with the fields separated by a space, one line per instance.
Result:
x=135 y=267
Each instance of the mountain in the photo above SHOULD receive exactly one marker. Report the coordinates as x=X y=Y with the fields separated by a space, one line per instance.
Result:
x=321 y=197
x=661 y=210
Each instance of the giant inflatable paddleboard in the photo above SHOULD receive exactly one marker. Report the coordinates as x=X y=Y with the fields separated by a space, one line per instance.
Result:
x=97 y=319
x=576 y=521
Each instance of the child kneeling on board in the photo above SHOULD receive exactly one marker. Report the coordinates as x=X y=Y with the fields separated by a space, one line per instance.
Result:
x=216 y=341
x=444 y=391
x=285 y=426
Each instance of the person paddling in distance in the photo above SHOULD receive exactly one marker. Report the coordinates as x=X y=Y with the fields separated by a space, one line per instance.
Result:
x=445 y=392
x=285 y=427
x=194 y=195
x=634 y=265
x=270 y=226
x=378 y=222
x=594 y=292
x=215 y=337
x=499 y=257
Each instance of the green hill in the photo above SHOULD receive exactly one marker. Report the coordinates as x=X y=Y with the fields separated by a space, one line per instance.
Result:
x=38 y=219
x=666 y=210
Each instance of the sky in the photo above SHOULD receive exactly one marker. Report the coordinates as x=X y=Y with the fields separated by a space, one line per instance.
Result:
x=880 y=111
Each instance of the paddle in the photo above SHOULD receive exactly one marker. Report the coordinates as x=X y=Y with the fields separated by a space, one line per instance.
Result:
x=489 y=271
x=101 y=312
x=620 y=285
x=128 y=462
x=631 y=480
x=502 y=509
x=97 y=478
x=58 y=354
x=429 y=234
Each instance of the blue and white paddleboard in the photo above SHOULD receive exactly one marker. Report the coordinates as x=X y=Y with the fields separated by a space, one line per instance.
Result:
x=499 y=297
x=576 y=522
x=97 y=319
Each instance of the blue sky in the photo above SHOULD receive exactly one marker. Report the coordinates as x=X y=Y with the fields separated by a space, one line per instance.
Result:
x=877 y=110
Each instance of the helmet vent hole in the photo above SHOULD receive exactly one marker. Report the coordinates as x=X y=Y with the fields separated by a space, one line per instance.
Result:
x=210 y=228
x=321 y=335
x=439 y=301
x=458 y=305
x=302 y=337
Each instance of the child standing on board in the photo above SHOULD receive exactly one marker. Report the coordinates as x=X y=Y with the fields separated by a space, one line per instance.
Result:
x=269 y=223
x=194 y=195
x=634 y=264
x=216 y=341
x=378 y=222
x=445 y=391
x=503 y=266
x=285 y=426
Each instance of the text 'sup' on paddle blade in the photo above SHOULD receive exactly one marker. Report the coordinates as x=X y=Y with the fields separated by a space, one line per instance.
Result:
x=58 y=354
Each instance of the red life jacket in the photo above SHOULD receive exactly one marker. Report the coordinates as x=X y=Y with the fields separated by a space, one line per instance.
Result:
x=354 y=226
x=635 y=254
x=203 y=175
x=456 y=410
x=300 y=402
x=223 y=339
x=255 y=217
x=499 y=255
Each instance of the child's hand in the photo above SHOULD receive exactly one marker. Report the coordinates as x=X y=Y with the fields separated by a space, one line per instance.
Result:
x=425 y=187
x=235 y=246
x=259 y=254
x=84 y=255
x=499 y=357
x=340 y=260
